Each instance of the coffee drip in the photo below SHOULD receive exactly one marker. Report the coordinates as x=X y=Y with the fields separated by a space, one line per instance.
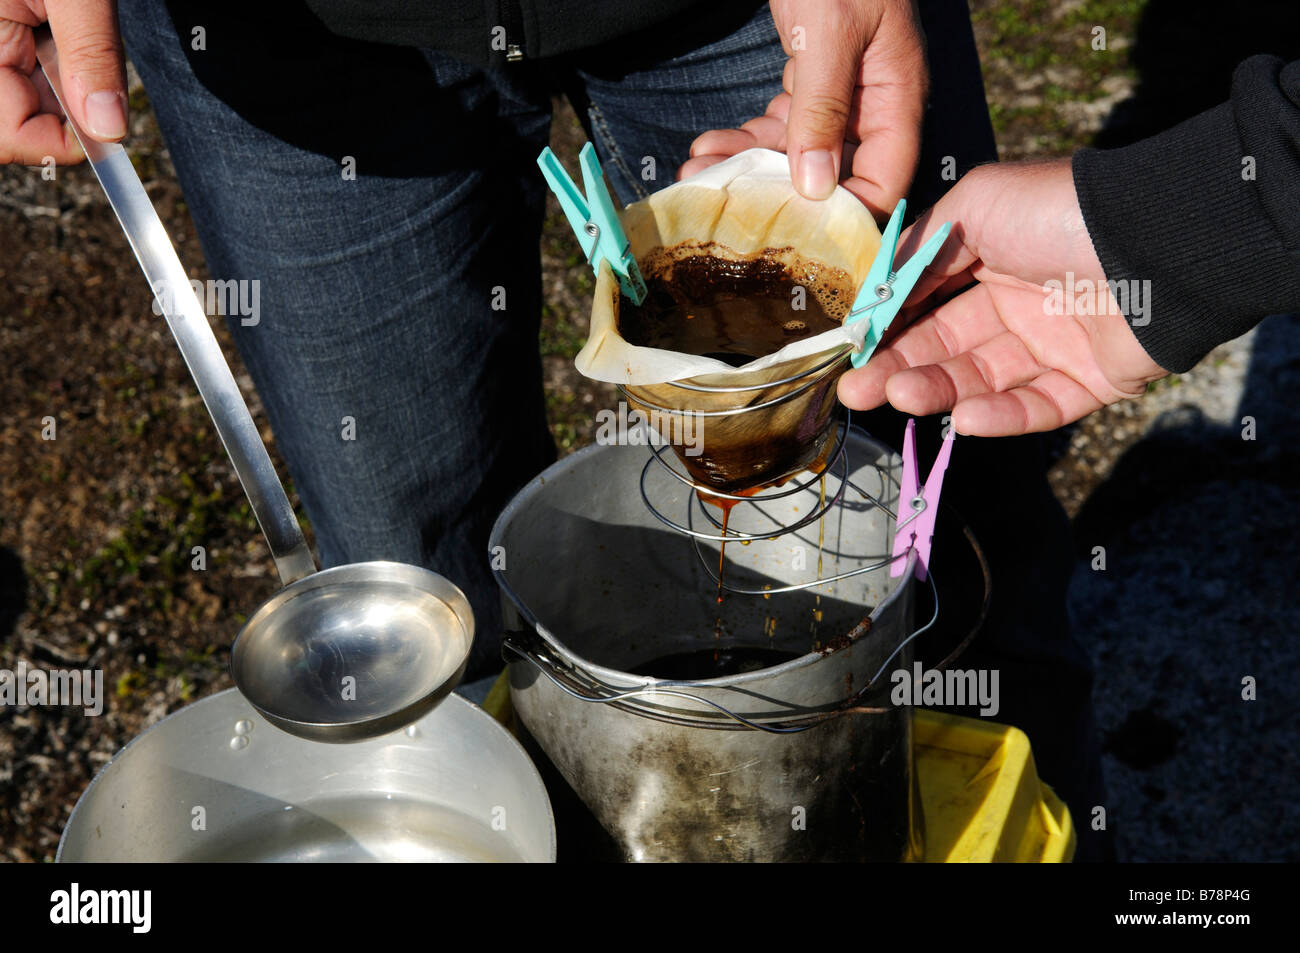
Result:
x=734 y=311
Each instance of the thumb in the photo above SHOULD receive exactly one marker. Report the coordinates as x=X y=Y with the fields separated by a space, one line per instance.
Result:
x=825 y=74
x=91 y=64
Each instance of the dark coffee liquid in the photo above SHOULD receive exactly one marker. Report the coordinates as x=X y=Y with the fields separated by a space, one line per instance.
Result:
x=734 y=311
x=713 y=663
x=701 y=301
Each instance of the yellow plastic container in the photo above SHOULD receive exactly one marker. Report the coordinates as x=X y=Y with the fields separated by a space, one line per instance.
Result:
x=982 y=797
x=980 y=791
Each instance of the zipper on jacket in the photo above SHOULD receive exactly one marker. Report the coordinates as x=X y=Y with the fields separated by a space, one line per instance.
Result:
x=512 y=18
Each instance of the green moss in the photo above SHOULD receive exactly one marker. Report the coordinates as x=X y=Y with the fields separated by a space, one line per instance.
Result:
x=132 y=683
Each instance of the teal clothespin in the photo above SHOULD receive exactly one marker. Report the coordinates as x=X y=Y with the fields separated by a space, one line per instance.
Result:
x=593 y=218
x=885 y=289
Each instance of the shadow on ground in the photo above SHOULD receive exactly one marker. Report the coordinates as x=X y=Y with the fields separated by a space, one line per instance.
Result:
x=13 y=590
x=1196 y=604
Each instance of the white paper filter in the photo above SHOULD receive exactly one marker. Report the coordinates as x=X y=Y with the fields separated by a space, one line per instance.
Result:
x=746 y=203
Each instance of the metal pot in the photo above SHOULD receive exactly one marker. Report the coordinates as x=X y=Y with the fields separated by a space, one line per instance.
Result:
x=216 y=782
x=600 y=588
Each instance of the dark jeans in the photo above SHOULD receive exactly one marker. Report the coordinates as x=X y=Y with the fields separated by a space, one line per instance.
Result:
x=378 y=289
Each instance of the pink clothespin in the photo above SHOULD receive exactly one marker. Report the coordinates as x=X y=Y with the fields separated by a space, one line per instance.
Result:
x=918 y=505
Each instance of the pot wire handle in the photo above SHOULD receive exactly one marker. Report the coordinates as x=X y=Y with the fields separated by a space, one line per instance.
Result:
x=530 y=647
x=590 y=692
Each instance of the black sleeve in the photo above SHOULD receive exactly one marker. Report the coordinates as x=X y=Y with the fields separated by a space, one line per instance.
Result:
x=1208 y=212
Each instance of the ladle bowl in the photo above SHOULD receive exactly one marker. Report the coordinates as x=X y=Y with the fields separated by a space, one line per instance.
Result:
x=355 y=651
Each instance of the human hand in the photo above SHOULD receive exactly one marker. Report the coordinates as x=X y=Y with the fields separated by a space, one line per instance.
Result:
x=995 y=354
x=855 y=90
x=93 y=71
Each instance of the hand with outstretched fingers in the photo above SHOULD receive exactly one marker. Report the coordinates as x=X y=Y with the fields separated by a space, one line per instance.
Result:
x=985 y=339
x=93 y=70
x=855 y=83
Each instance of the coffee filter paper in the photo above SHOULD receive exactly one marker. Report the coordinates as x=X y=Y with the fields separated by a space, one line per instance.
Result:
x=738 y=208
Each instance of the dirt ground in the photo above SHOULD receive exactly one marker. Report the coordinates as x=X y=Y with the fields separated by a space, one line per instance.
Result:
x=97 y=526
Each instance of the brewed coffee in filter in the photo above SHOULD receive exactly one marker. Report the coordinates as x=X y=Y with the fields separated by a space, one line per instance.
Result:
x=748 y=283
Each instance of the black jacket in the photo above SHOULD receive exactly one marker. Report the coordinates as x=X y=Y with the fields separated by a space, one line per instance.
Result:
x=491 y=32
x=1208 y=212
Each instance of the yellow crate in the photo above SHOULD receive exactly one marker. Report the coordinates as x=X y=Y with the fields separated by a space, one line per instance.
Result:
x=980 y=791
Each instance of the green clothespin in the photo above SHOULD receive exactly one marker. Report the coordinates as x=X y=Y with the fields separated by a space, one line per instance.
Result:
x=885 y=289
x=593 y=218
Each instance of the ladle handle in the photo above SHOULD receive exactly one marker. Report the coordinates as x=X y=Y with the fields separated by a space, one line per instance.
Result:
x=198 y=345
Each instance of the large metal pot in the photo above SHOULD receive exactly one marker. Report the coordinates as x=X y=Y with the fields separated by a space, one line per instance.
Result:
x=600 y=588
x=216 y=782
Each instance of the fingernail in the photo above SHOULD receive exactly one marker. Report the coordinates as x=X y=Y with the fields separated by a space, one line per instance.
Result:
x=816 y=174
x=105 y=115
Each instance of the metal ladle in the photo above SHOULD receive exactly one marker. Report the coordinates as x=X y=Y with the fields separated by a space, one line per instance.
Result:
x=339 y=655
